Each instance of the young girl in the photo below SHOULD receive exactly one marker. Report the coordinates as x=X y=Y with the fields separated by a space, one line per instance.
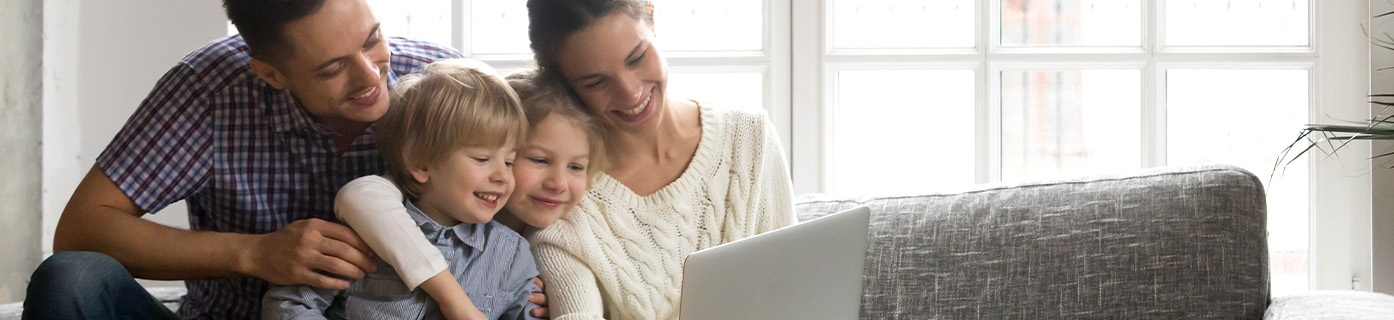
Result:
x=449 y=140
x=563 y=151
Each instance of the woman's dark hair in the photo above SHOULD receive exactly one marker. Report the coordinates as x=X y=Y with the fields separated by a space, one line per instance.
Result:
x=551 y=21
x=262 y=24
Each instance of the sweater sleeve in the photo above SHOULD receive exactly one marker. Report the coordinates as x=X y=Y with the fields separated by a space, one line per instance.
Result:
x=771 y=204
x=372 y=206
x=572 y=290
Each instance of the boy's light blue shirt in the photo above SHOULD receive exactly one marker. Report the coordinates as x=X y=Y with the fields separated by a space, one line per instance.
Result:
x=491 y=261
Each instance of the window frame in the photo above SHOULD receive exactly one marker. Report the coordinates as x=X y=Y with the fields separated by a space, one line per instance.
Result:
x=1339 y=190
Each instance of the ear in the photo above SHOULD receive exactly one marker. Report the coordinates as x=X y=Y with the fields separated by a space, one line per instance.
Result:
x=419 y=174
x=268 y=72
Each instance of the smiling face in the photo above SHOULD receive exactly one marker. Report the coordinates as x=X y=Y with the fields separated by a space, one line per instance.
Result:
x=470 y=185
x=550 y=172
x=338 y=66
x=614 y=67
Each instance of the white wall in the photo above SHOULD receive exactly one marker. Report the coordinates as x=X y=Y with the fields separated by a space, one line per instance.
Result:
x=1382 y=217
x=100 y=60
x=1341 y=208
x=21 y=108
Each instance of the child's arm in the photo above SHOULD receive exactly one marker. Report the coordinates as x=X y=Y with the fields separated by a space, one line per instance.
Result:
x=372 y=206
x=296 y=302
x=454 y=303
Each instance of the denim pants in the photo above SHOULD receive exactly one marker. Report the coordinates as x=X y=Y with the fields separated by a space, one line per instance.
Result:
x=88 y=285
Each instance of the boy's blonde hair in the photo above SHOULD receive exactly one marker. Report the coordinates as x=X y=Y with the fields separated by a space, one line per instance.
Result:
x=543 y=95
x=451 y=104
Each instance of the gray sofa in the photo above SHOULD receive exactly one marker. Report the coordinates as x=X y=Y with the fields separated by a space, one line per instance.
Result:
x=1168 y=243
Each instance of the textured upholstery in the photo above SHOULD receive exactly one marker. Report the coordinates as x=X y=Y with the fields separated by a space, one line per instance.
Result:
x=1180 y=243
x=1349 y=305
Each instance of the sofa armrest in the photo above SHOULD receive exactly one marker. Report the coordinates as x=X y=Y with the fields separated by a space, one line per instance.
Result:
x=1331 y=305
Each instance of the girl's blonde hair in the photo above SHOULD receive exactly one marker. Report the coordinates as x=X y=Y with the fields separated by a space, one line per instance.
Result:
x=543 y=95
x=451 y=104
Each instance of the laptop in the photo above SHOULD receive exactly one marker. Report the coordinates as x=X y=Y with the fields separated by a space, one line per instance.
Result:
x=811 y=270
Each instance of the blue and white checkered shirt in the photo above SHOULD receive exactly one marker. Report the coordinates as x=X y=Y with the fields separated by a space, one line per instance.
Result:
x=246 y=156
x=492 y=263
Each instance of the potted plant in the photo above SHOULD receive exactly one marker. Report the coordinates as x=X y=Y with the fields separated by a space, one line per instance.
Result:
x=1326 y=139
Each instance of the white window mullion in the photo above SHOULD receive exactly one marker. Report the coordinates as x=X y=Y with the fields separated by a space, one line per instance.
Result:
x=989 y=163
x=778 y=75
x=989 y=105
x=458 y=12
x=808 y=95
x=1154 y=116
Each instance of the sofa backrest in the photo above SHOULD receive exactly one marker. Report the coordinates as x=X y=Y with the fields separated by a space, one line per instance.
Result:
x=1177 y=243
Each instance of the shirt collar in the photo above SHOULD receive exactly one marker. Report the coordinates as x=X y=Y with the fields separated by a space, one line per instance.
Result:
x=470 y=234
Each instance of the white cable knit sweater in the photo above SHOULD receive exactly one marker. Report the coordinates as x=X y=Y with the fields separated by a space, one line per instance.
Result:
x=619 y=255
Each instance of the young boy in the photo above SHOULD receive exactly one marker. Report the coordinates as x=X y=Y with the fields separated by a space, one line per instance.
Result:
x=449 y=140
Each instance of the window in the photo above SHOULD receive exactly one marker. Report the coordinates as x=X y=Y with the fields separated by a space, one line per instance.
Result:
x=1015 y=90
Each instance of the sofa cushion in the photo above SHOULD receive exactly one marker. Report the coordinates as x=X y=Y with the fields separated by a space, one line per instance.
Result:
x=1348 y=305
x=1159 y=243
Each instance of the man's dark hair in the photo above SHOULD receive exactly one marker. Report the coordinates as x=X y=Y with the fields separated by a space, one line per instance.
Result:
x=262 y=24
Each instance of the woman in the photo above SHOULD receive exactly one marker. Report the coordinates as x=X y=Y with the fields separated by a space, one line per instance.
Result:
x=682 y=177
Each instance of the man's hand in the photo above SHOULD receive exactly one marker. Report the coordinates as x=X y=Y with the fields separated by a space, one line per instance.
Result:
x=310 y=251
x=539 y=299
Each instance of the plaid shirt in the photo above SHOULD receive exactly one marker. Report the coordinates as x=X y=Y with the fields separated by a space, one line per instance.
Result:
x=246 y=157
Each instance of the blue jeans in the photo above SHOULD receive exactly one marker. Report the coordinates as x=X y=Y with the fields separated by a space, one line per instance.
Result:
x=88 y=285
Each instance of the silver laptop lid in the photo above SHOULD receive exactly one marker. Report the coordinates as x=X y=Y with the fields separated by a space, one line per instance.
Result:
x=811 y=270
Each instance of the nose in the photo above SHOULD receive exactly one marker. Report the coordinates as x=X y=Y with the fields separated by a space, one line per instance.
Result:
x=366 y=72
x=630 y=90
x=501 y=173
x=553 y=180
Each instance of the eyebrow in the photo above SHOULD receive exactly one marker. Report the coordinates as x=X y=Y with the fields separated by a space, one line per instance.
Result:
x=371 y=34
x=632 y=53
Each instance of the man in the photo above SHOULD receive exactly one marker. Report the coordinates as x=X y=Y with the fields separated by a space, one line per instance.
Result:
x=257 y=132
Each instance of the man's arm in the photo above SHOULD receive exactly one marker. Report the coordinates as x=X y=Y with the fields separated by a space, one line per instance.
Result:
x=101 y=218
